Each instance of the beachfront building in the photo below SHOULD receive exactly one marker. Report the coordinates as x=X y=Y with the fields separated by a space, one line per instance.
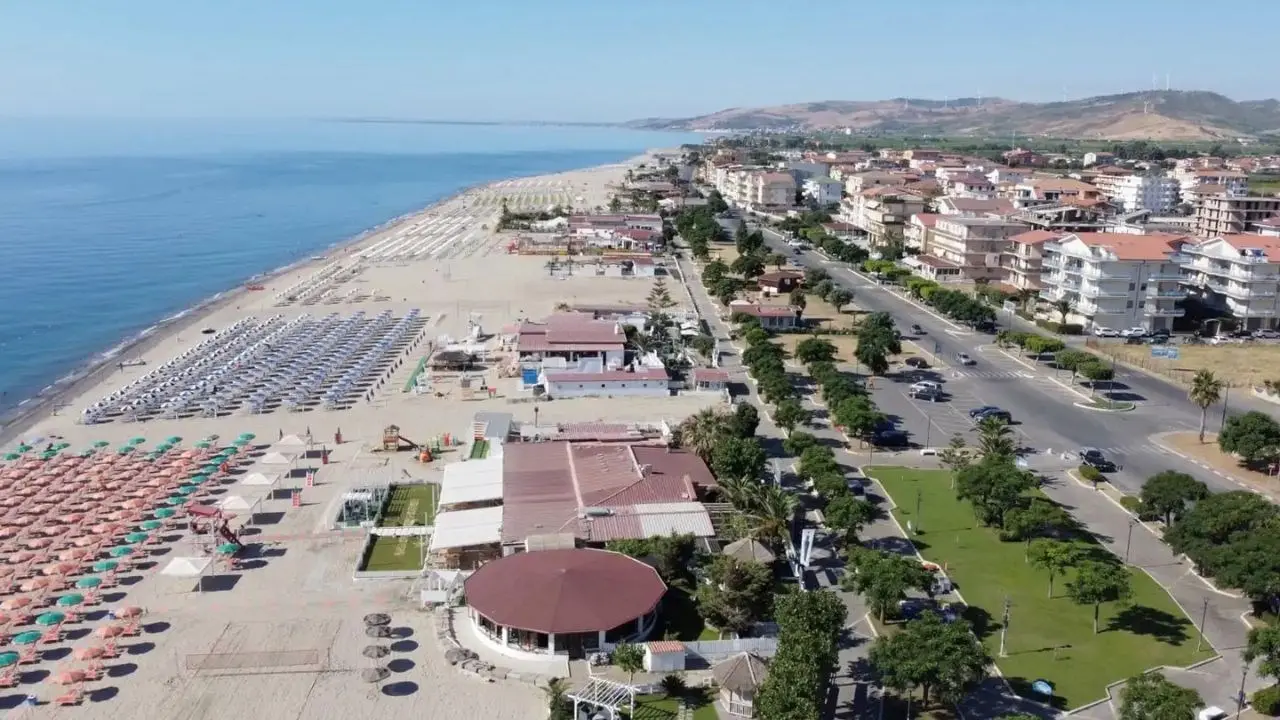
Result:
x=572 y=339
x=626 y=267
x=1232 y=182
x=569 y=602
x=973 y=244
x=1238 y=275
x=822 y=191
x=713 y=380
x=1116 y=280
x=1022 y=261
x=780 y=282
x=640 y=382
x=771 y=317
x=739 y=678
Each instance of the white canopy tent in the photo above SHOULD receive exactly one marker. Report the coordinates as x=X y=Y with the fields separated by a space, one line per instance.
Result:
x=467 y=528
x=187 y=567
x=235 y=503
x=289 y=441
x=277 y=458
x=259 y=478
x=471 y=481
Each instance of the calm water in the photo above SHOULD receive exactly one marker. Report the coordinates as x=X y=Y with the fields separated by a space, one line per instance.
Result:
x=106 y=229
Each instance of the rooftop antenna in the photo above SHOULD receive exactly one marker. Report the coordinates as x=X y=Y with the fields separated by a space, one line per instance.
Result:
x=1155 y=82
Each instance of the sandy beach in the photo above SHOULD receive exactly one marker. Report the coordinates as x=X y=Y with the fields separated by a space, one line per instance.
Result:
x=282 y=636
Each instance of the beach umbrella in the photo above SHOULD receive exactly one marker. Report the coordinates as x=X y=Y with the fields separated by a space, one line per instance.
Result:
x=128 y=611
x=164 y=512
x=377 y=619
x=108 y=631
x=209 y=469
x=120 y=551
x=68 y=677
x=50 y=618
x=197 y=479
x=161 y=448
x=70 y=600
x=187 y=489
x=228 y=548
x=12 y=456
x=8 y=659
x=175 y=500
x=172 y=439
x=24 y=448
x=137 y=440
x=135 y=537
x=16 y=602
x=47 y=454
x=246 y=436
x=240 y=442
x=204 y=444
x=373 y=675
x=88 y=582
x=91 y=652
x=85 y=453
x=30 y=637
x=101 y=443
x=149 y=525
x=373 y=652
x=62 y=446
x=105 y=566
x=125 y=449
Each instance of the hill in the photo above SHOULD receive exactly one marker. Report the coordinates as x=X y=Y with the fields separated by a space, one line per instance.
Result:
x=1155 y=115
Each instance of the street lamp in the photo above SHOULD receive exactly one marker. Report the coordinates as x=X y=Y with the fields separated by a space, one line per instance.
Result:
x=1129 y=540
x=1240 y=700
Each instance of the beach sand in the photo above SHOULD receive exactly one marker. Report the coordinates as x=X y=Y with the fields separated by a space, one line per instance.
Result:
x=283 y=637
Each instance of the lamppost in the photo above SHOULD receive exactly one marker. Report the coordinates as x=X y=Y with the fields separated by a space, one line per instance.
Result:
x=1129 y=540
x=919 y=499
x=1240 y=699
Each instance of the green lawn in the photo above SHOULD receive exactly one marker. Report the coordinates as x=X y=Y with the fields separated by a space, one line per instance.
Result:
x=661 y=707
x=411 y=505
x=680 y=617
x=1049 y=638
x=395 y=553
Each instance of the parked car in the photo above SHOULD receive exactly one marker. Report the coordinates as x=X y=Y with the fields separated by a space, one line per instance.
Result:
x=856 y=482
x=964 y=359
x=1134 y=332
x=1094 y=458
x=927 y=394
x=997 y=413
x=1266 y=334
x=1100 y=331
x=1160 y=336
x=926 y=385
x=917 y=330
x=918 y=363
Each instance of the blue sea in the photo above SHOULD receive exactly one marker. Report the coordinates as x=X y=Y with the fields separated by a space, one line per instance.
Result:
x=108 y=227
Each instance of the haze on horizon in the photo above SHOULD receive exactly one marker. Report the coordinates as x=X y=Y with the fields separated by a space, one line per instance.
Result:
x=586 y=61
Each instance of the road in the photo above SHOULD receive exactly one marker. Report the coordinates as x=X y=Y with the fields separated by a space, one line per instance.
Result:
x=1042 y=409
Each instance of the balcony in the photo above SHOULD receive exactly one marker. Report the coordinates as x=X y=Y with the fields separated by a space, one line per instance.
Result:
x=1064 y=281
x=1096 y=291
x=1093 y=272
x=1174 y=294
x=1053 y=261
x=1155 y=311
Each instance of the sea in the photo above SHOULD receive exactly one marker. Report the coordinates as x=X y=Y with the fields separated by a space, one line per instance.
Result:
x=108 y=227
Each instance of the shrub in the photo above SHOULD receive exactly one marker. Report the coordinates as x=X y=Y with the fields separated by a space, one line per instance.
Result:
x=1267 y=700
x=1071 y=329
x=1131 y=503
x=1090 y=473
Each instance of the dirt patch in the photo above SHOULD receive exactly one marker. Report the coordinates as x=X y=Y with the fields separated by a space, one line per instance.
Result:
x=1244 y=365
x=726 y=253
x=820 y=314
x=1188 y=443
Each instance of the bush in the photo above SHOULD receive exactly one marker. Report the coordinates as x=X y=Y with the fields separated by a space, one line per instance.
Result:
x=1061 y=328
x=1131 y=503
x=1090 y=473
x=1267 y=700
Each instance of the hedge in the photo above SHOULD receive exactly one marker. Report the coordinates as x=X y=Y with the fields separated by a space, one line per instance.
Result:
x=1090 y=474
x=1061 y=328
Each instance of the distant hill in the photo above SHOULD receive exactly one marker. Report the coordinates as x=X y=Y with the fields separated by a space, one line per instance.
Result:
x=1155 y=115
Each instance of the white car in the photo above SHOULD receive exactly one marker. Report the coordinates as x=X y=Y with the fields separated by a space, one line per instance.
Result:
x=1134 y=332
x=1105 y=332
x=964 y=359
x=927 y=385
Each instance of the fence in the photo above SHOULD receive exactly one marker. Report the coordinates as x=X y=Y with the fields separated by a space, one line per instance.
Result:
x=1139 y=356
x=713 y=651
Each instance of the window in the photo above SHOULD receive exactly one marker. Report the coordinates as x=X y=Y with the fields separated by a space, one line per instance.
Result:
x=1129 y=304
x=1131 y=287
x=1144 y=287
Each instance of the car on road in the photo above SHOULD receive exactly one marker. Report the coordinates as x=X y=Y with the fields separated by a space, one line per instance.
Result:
x=927 y=394
x=1105 y=332
x=1266 y=334
x=856 y=482
x=1134 y=332
x=1159 y=337
x=1094 y=458
x=964 y=359
x=917 y=330
x=974 y=413
x=918 y=363
x=1003 y=415
x=890 y=438
x=926 y=385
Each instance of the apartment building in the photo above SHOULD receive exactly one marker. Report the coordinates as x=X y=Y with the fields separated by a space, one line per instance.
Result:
x=823 y=190
x=1024 y=158
x=1009 y=175
x=856 y=183
x=918 y=234
x=1116 y=280
x=1049 y=191
x=1269 y=227
x=882 y=213
x=1218 y=215
x=1236 y=274
x=1190 y=178
x=973 y=244
x=973 y=207
x=971 y=185
x=1022 y=260
x=755 y=187
x=1098 y=158
x=1139 y=192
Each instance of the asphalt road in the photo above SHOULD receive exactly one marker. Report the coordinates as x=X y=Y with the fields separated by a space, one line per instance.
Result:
x=1043 y=410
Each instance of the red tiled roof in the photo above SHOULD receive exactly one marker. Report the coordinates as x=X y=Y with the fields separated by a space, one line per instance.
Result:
x=1154 y=246
x=710 y=375
x=665 y=646
x=935 y=262
x=1035 y=237
x=571 y=331
x=564 y=591
x=926 y=219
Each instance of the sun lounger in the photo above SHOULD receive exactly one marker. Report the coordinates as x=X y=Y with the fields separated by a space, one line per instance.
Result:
x=9 y=678
x=70 y=697
x=132 y=629
x=28 y=655
x=110 y=650
x=94 y=671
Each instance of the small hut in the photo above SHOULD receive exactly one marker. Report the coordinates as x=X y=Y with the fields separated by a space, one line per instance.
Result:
x=452 y=360
x=749 y=550
x=739 y=678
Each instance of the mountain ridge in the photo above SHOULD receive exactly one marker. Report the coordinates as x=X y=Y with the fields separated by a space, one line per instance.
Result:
x=1151 y=115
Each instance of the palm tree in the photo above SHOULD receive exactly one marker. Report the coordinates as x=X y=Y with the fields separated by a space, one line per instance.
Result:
x=742 y=493
x=700 y=431
x=557 y=703
x=1063 y=307
x=995 y=439
x=771 y=518
x=1206 y=389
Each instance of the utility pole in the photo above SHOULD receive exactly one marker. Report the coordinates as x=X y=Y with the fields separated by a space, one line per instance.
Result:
x=1226 y=396
x=1204 y=615
x=919 y=497
x=1240 y=700
x=1004 y=627
x=1129 y=541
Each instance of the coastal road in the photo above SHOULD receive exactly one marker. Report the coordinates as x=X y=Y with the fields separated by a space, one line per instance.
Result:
x=1040 y=400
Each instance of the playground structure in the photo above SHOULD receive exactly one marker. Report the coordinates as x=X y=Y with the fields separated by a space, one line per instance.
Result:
x=393 y=441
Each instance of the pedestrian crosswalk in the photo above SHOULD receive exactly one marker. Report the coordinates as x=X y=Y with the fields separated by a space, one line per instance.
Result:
x=990 y=374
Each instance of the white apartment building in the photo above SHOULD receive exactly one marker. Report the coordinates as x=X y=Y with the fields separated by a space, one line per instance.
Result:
x=973 y=244
x=1140 y=192
x=855 y=184
x=1233 y=182
x=1237 y=274
x=823 y=190
x=746 y=186
x=1115 y=280
x=1013 y=175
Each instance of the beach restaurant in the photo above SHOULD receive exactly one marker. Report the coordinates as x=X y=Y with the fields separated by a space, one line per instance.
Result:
x=563 y=602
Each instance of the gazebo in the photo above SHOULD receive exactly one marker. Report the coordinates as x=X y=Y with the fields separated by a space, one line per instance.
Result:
x=568 y=601
x=739 y=678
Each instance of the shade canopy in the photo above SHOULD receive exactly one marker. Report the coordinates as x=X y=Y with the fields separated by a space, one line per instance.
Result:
x=564 y=591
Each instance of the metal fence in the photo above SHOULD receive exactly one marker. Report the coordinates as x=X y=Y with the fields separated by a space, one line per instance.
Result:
x=715 y=650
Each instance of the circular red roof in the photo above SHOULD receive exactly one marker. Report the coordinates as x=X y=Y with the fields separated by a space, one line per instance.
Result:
x=564 y=591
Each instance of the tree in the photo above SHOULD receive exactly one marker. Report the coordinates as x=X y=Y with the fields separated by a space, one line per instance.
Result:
x=770 y=515
x=995 y=439
x=788 y=414
x=558 y=705
x=629 y=659
x=993 y=487
x=1264 y=646
x=1151 y=696
x=858 y=416
x=701 y=431
x=1253 y=436
x=954 y=456
x=659 y=299
x=1096 y=372
x=873 y=358
x=839 y=297
x=671 y=555
x=748 y=266
x=1098 y=582
x=943 y=659
x=704 y=345
x=737 y=457
x=1040 y=518
x=813 y=276
x=1168 y=494
x=744 y=420
x=1064 y=308
x=798 y=441
x=815 y=349
x=738 y=596
x=848 y=515
x=674 y=686
x=1205 y=390
x=714 y=272
x=798 y=300
x=777 y=260
x=809 y=627
x=615 y=204
x=1072 y=360
x=1054 y=557
x=885 y=578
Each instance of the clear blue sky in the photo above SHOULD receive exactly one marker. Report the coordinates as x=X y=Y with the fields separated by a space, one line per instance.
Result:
x=605 y=59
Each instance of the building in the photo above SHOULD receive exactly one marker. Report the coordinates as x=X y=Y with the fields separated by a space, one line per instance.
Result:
x=1098 y=158
x=773 y=189
x=1050 y=191
x=971 y=185
x=882 y=212
x=1009 y=175
x=840 y=230
x=712 y=380
x=1234 y=181
x=1116 y=280
x=855 y=184
x=974 y=207
x=1140 y=192
x=932 y=267
x=1022 y=260
x=565 y=601
x=780 y=282
x=918 y=233
x=641 y=382
x=565 y=339
x=739 y=679
x=1269 y=227
x=1218 y=215
x=973 y=244
x=771 y=317
x=1238 y=275
x=1024 y=158
x=589 y=224
x=823 y=191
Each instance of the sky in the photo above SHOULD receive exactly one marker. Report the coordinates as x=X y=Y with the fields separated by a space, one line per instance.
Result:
x=604 y=60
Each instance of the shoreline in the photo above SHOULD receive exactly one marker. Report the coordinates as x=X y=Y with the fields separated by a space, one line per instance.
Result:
x=53 y=397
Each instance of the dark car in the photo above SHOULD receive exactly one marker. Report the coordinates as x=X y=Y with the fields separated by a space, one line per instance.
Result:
x=1096 y=460
x=978 y=411
x=927 y=394
x=1002 y=415
x=917 y=330
x=918 y=363
x=890 y=438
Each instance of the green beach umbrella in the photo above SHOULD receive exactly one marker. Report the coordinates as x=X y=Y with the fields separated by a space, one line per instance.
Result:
x=88 y=582
x=125 y=449
x=162 y=447
x=105 y=565
x=101 y=444
x=50 y=618
x=138 y=440
x=24 y=448
x=48 y=454
x=85 y=453
x=30 y=637
x=150 y=525
x=246 y=436
x=228 y=548
x=70 y=600
x=12 y=456
x=172 y=439
x=186 y=489
x=8 y=659
x=120 y=551
x=198 y=479
x=164 y=512
x=134 y=538
x=209 y=469
x=175 y=500
x=203 y=444
x=240 y=442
